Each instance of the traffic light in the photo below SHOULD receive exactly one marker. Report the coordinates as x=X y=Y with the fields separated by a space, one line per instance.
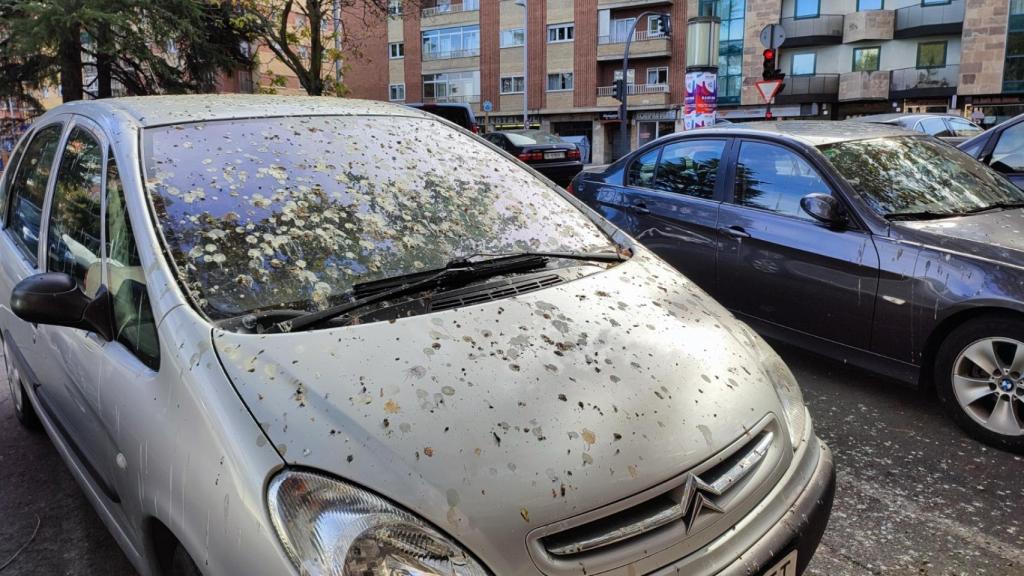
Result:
x=665 y=24
x=768 y=72
x=618 y=89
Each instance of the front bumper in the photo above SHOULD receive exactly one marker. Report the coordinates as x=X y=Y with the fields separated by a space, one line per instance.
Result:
x=801 y=527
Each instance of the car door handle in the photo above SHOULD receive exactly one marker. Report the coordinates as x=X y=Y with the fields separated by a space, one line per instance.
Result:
x=640 y=208
x=735 y=232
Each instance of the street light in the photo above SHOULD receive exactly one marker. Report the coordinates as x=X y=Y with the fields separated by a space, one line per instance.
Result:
x=666 y=28
x=526 y=65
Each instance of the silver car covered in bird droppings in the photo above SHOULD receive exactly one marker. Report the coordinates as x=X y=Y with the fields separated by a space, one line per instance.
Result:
x=325 y=336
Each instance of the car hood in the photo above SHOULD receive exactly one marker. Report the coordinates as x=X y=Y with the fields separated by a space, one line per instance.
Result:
x=996 y=235
x=491 y=420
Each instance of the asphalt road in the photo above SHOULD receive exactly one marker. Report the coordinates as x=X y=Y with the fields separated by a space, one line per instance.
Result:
x=915 y=496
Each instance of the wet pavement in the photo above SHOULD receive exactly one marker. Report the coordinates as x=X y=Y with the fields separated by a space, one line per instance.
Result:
x=915 y=496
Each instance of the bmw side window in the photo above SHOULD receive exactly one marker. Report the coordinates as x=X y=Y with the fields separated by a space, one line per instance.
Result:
x=28 y=190
x=641 y=171
x=1008 y=155
x=134 y=323
x=690 y=167
x=7 y=182
x=773 y=178
x=73 y=231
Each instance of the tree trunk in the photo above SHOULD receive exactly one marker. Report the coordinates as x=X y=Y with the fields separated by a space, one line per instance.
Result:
x=70 y=55
x=104 y=62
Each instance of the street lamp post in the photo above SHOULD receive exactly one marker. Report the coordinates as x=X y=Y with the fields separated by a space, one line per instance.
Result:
x=623 y=144
x=526 y=64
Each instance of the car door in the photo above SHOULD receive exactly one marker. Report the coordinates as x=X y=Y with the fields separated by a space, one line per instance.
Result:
x=670 y=204
x=20 y=245
x=778 y=265
x=1005 y=153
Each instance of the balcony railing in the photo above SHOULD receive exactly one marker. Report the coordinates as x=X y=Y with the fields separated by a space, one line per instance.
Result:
x=926 y=20
x=925 y=82
x=449 y=54
x=811 y=88
x=450 y=8
x=461 y=98
x=633 y=89
x=638 y=36
x=825 y=29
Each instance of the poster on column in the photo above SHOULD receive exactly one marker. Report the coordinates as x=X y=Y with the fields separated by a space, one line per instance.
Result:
x=701 y=99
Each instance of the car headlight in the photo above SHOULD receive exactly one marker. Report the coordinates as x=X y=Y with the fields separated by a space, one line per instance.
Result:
x=793 y=408
x=331 y=528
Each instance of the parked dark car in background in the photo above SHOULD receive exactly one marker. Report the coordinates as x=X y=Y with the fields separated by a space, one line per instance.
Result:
x=544 y=152
x=872 y=245
x=461 y=114
x=946 y=127
x=1002 y=148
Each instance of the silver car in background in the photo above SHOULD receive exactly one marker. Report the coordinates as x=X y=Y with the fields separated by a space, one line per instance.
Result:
x=325 y=336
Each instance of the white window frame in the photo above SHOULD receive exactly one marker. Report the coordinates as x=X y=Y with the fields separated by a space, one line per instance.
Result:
x=512 y=31
x=391 y=92
x=392 y=50
x=513 y=78
x=630 y=75
x=395 y=8
x=564 y=32
x=563 y=75
x=657 y=70
x=654 y=26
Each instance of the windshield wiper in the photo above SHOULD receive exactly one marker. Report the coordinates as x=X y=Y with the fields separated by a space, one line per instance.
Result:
x=997 y=205
x=458 y=271
x=921 y=215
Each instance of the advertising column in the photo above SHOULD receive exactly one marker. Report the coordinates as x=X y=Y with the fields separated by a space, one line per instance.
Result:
x=700 y=101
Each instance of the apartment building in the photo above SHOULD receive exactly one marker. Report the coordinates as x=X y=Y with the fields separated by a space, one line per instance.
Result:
x=473 y=52
x=851 y=57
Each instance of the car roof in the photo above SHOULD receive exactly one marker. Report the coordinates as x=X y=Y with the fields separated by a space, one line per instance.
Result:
x=812 y=132
x=896 y=116
x=146 y=111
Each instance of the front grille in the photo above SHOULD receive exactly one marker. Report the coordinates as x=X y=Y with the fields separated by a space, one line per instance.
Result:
x=494 y=292
x=697 y=507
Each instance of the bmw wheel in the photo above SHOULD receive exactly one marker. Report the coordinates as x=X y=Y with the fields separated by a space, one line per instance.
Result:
x=22 y=405
x=980 y=378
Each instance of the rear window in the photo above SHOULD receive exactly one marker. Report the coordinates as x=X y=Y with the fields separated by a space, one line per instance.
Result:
x=291 y=212
x=532 y=137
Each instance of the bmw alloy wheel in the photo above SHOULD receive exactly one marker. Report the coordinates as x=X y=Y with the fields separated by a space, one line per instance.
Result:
x=988 y=380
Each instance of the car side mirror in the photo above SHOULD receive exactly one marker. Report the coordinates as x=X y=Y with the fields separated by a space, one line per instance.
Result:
x=55 y=298
x=824 y=208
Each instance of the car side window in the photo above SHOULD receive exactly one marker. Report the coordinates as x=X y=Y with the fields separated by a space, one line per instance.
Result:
x=773 y=178
x=1008 y=155
x=7 y=182
x=73 y=232
x=934 y=126
x=28 y=189
x=641 y=171
x=690 y=167
x=963 y=129
x=134 y=323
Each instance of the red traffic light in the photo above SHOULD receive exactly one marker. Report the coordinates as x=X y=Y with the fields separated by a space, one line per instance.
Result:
x=769 y=54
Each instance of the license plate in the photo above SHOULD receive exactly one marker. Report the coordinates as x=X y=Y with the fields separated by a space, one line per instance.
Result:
x=554 y=155
x=785 y=567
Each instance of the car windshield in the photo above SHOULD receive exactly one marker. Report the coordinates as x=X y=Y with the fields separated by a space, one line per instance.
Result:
x=530 y=137
x=914 y=175
x=290 y=212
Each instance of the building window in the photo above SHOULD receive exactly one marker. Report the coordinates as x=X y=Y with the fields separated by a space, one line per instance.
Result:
x=560 y=32
x=807 y=9
x=803 y=64
x=654 y=27
x=395 y=7
x=1013 y=70
x=931 y=54
x=657 y=75
x=396 y=50
x=559 y=81
x=866 y=59
x=512 y=38
x=934 y=2
x=512 y=85
x=865 y=5
x=630 y=75
x=452 y=87
x=396 y=92
x=458 y=42
x=730 y=46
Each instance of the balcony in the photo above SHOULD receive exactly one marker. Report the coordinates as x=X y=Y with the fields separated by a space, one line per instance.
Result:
x=825 y=29
x=639 y=95
x=644 y=45
x=449 y=54
x=440 y=8
x=924 y=82
x=810 y=88
x=933 y=20
x=612 y=4
x=869 y=25
x=864 y=86
x=458 y=99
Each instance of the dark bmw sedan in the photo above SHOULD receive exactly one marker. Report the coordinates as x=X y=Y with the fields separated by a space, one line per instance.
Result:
x=544 y=152
x=870 y=244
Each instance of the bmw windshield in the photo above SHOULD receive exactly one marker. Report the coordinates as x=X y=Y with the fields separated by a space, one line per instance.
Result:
x=292 y=212
x=910 y=177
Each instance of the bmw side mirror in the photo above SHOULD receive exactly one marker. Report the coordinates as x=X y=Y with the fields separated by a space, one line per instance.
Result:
x=824 y=208
x=55 y=298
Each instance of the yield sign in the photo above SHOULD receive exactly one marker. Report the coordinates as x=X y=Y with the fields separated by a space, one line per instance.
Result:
x=768 y=88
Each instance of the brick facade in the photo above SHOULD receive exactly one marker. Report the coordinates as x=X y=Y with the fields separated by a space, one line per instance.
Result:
x=537 y=54
x=585 y=65
x=413 y=56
